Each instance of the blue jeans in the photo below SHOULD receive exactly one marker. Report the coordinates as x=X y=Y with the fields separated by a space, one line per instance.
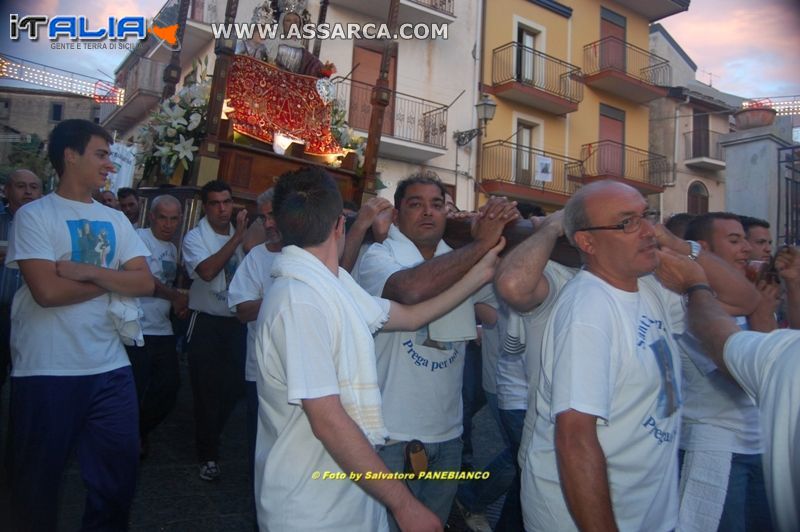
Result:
x=437 y=495
x=746 y=506
x=477 y=495
x=472 y=397
x=512 y=422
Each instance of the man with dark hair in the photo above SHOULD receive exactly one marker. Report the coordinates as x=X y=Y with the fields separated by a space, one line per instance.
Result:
x=677 y=223
x=421 y=372
x=757 y=231
x=71 y=383
x=319 y=403
x=211 y=253
x=128 y=200
x=766 y=366
x=720 y=423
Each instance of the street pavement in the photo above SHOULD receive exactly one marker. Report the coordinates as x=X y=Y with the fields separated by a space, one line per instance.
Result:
x=171 y=497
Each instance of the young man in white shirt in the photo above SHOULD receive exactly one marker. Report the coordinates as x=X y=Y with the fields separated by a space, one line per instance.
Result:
x=216 y=339
x=155 y=364
x=71 y=383
x=319 y=404
x=766 y=366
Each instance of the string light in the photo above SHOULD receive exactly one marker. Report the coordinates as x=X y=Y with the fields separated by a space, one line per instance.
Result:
x=100 y=91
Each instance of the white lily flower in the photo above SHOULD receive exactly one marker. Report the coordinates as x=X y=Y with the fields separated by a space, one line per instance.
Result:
x=194 y=121
x=184 y=148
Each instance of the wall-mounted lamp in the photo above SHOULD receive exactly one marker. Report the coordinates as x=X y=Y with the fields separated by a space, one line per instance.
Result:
x=485 y=109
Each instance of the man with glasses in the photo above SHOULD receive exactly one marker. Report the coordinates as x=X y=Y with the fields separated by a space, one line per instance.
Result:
x=608 y=401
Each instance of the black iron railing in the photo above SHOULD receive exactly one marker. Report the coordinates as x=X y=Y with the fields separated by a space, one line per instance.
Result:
x=703 y=143
x=609 y=158
x=445 y=6
x=612 y=53
x=515 y=62
x=522 y=165
x=406 y=117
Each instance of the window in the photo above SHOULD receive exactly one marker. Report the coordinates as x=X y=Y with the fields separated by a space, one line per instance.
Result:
x=56 y=110
x=697 y=201
x=5 y=108
x=96 y=114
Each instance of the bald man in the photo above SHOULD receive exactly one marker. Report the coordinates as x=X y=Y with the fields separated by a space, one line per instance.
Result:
x=22 y=186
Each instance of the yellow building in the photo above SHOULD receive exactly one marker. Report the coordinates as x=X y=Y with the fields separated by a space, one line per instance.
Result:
x=571 y=81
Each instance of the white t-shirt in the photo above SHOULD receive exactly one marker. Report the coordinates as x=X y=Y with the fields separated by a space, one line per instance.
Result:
x=717 y=414
x=297 y=351
x=490 y=338
x=201 y=296
x=520 y=374
x=250 y=282
x=767 y=366
x=77 y=339
x=163 y=263
x=611 y=354
x=420 y=384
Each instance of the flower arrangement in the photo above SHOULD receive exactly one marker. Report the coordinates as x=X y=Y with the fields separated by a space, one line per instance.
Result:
x=178 y=125
x=344 y=134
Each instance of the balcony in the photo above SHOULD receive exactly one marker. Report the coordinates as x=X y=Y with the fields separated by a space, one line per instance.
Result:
x=703 y=150
x=626 y=70
x=411 y=11
x=197 y=34
x=143 y=83
x=520 y=172
x=641 y=169
x=538 y=80
x=414 y=129
x=654 y=10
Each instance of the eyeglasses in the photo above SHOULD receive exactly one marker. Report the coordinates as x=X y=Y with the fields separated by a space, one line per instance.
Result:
x=631 y=224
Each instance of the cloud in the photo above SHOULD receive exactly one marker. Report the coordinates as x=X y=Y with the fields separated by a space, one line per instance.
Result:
x=749 y=47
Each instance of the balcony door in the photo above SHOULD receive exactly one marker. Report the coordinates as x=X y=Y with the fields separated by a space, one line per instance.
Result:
x=612 y=51
x=367 y=65
x=524 y=157
x=611 y=156
x=700 y=135
x=526 y=42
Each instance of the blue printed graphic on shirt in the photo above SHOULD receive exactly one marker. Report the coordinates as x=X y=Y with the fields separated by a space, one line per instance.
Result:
x=169 y=270
x=93 y=242
x=669 y=397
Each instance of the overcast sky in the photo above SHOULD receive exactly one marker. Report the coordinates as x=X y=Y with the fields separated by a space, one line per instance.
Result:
x=750 y=47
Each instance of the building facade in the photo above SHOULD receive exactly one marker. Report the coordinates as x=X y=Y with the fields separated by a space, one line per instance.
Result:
x=572 y=81
x=687 y=126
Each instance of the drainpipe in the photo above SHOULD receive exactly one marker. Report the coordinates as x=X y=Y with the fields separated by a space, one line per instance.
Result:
x=478 y=157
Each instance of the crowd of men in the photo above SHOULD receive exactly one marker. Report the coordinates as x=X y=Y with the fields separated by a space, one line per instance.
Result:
x=626 y=391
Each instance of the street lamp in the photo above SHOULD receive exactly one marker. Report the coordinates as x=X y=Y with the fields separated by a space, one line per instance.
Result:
x=485 y=109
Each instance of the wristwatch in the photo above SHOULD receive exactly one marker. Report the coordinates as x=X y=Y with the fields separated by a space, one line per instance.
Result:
x=695 y=249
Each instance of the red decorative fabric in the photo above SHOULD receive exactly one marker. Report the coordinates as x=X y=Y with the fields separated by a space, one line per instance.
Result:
x=267 y=99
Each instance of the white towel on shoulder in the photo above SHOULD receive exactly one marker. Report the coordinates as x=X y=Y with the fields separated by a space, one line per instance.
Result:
x=703 y=489
x=458 y=324
x=210 y=239
x=126 y=315
x=356 y=368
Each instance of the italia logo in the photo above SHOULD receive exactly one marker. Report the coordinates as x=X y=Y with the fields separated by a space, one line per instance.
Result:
x=78 y=28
